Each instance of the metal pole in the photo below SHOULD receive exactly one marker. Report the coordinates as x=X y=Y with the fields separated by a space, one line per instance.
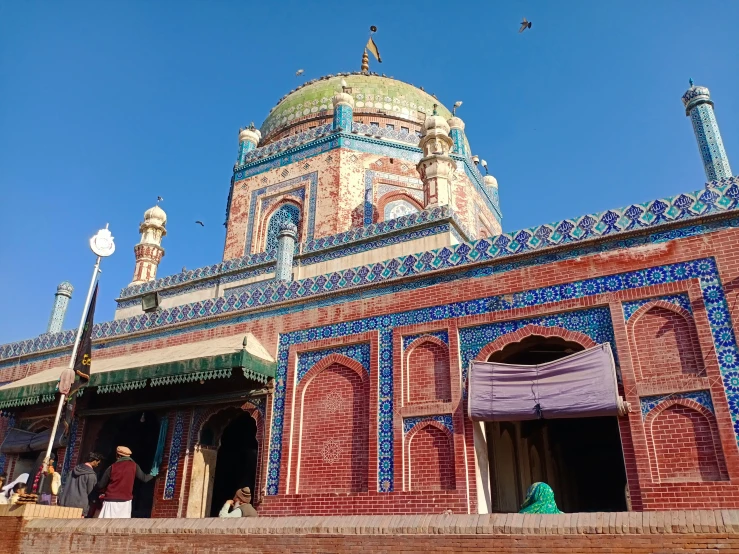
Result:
x=63 y=397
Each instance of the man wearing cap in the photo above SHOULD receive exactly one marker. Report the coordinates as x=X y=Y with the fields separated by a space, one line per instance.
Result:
x=117 y=484
x=240 y=506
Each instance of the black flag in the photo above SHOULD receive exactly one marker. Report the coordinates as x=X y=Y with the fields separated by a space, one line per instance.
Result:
x=82 y=364
x=84 y=351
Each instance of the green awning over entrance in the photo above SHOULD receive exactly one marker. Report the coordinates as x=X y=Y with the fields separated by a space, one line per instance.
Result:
x=202 y=360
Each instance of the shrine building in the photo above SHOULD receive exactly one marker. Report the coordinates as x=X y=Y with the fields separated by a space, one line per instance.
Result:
x=373 y=342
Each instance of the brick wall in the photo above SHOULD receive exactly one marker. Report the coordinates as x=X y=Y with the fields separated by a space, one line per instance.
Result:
x=430 y=459
x=666 y=343
x=596 y=533
x=648 y=491
x=333 y=438
x=685 y=449
x=428 y=372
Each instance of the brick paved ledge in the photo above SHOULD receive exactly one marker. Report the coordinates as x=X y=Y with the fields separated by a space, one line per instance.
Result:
x=634 y=532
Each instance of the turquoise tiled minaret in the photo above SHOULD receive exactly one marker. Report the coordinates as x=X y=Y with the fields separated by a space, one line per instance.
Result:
x=248 y=140
x=699 y=107
x=61 y=301
x=343 y=111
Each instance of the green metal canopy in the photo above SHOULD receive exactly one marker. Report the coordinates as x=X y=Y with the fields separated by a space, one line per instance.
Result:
x=203 y=360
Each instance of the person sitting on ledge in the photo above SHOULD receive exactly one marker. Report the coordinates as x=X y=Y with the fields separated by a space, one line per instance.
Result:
x=539 y=500
x=240 y=506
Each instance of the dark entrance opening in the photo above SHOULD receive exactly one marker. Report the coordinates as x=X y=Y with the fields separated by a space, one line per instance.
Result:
x=580 y=458
x=236 y=464
x=139 y=431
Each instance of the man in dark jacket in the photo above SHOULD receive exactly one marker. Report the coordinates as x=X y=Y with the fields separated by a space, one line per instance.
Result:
x=117 y=484
x=76 y=493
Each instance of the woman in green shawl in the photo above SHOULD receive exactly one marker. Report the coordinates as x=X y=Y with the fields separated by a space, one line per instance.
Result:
x=539 y=500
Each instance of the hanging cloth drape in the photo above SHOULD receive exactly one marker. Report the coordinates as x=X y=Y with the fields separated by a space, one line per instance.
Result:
x=580 y=385
x=158 y=455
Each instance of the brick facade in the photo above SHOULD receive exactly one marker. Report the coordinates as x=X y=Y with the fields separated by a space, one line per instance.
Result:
x=597 y=533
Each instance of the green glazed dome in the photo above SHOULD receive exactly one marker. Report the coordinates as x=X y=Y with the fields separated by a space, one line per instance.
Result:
x=370 y=92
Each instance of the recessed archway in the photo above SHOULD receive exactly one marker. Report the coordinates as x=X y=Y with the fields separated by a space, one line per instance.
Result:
x=568 y=454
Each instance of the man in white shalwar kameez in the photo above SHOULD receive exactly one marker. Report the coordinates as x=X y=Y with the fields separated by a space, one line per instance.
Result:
x=117 y=485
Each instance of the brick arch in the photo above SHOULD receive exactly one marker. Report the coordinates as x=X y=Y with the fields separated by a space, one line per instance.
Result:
x=427 y=371
x=264 y=224
x=333 y=418
x=430 y=458
x=660 y=356
x=247 y=407
x=388 y=197
x=534 y=330
x=684 y=443
x=327 y=362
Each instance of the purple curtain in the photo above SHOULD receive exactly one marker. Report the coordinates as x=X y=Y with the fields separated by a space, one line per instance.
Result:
x=580 y=385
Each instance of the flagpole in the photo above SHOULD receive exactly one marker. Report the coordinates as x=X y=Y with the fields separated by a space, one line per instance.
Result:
x=63 y=397
x=102 y=245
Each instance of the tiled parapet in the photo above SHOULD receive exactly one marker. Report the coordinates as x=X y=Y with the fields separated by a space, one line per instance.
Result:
x=655 y=215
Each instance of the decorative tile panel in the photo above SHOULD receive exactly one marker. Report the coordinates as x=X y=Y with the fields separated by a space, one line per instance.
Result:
x=714 y=200
x=359 y=352
x=595 y=323
x=445 y=420
x=175 y=450
x=679 y=300
x=710 y=145
x=69 y=451
x=702 y=397
x=443 y=336
x=310 y=179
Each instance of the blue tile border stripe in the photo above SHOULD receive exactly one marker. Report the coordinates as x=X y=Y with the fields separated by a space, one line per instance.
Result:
x=444 y=419
x=719 y=199
x=174 y=456
x=679 y=300
x=359 y=352
x=649 y=403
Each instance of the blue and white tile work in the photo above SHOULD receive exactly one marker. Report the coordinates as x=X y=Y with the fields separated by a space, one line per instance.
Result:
x=723 y=198
x=69 y=452
x=595 y=323
x=702 y=397
x=287 y=213
x=445 y=420
x=309 y=180
x=443 y=336
x=679 y=300
x=359 y=352
x=175 y=451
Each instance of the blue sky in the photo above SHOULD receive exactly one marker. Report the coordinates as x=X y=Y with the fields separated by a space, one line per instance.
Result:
x=104 y=106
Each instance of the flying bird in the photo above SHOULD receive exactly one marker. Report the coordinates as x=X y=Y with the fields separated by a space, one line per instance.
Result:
x=299 y=72
x=200 y=223
x=524 y=25
x=159 y=199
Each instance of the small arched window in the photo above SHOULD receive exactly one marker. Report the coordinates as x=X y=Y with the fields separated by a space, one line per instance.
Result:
x=287 y=212
x=398 y=208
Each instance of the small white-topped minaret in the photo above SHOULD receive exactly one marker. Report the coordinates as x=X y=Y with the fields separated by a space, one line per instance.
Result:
x=149 y=251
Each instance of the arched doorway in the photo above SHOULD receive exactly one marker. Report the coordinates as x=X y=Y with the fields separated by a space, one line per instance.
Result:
x=139 y=431
x=236 y=464
x=225 y=459
x=580 y=458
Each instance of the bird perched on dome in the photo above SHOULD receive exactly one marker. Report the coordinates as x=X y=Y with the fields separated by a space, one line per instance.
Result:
x=457 y=104
x=299 y=72
x=524 y=25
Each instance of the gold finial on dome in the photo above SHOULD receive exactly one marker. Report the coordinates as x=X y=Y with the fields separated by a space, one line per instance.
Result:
x=365 y=62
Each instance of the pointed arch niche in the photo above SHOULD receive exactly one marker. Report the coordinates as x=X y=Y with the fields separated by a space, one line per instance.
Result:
x=427 y=374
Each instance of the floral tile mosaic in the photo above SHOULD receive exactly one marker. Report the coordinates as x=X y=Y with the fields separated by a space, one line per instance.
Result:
x=175 y=450
x=458 y=256
x=703 y=397
x=359 y=352
x=445 y=420
x=443 y=336
x=680 y=300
